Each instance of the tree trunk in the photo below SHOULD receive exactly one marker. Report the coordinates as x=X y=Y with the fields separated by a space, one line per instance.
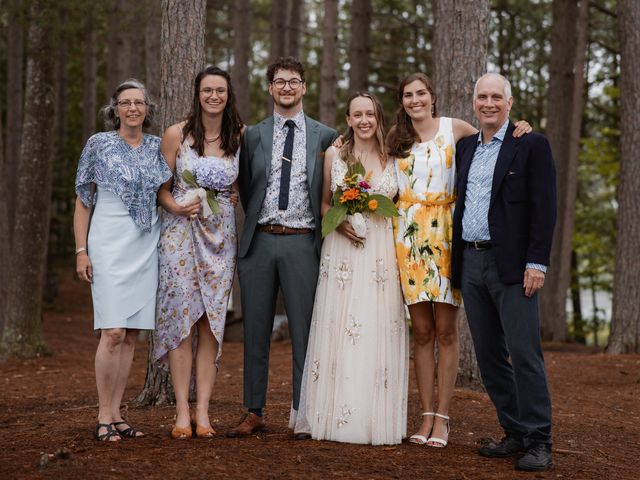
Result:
x=460 y=53
x=22 y=334
x=360 y=46
x=115 y=46
x=460 y=57
x=182 y=57
x=625 y=321
x=152 y=53
x=576 y=302
x=241 y=54
x=4 y=231
x=328 y=71
x=566 y=83
x=242 y=87
x=295 y=29
x=279 y=9
x=89 y=101
x=15 y=99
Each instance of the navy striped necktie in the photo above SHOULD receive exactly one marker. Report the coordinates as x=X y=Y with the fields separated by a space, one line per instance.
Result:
x=285 y=173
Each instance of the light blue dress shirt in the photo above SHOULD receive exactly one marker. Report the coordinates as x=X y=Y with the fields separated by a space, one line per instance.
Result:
x=475 y=220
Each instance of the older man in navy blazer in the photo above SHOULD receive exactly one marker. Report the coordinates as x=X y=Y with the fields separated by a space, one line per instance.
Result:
x=502 y=232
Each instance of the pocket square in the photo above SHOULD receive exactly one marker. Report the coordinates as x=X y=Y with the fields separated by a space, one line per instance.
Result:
x=511 y=172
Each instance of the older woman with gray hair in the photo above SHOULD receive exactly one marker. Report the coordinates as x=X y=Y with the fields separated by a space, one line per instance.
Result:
x=116 y=232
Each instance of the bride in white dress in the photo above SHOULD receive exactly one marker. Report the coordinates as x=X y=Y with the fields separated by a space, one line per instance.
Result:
x=354 y=387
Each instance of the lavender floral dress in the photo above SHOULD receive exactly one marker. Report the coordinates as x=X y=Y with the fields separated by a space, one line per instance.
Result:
x=197 y=262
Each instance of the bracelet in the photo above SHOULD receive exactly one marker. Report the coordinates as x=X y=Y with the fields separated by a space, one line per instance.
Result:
x=81 y=249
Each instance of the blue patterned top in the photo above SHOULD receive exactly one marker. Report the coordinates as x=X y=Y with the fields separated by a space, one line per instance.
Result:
x=133 y=174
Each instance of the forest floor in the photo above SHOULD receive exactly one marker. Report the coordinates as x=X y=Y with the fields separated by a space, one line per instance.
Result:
x=48 y=410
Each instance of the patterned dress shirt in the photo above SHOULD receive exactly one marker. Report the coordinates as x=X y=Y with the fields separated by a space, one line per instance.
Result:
x=298 y=213
x=475 y=220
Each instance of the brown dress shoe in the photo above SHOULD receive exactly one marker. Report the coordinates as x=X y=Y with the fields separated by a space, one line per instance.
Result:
x=250 y=424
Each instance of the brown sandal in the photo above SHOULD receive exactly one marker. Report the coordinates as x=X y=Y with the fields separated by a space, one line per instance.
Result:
x=202 y=431
x=181 y=433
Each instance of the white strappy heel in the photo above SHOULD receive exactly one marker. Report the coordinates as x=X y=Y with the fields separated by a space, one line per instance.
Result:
x=421 y=439
x=439 y=442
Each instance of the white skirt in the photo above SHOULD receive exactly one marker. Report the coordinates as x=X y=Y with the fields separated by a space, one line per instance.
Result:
x=125 y=266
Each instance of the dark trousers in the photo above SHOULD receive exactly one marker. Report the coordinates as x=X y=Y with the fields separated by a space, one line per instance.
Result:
x=505 y=328
x=289 y=262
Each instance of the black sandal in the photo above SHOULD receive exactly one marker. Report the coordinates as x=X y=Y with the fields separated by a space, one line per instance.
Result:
x=110 y=433
x=128 y=432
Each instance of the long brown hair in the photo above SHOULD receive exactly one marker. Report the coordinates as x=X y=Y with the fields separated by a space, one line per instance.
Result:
x=346 y=151
x=231 y=122
x=402 y=134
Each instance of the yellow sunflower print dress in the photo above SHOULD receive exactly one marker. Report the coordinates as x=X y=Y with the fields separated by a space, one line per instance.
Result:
x=423 y=229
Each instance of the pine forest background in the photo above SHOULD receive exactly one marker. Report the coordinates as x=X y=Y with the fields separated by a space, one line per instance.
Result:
x=566 y=59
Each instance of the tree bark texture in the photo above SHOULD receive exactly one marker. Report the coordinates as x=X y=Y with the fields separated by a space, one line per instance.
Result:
x=89 y=99
x=279 y=15
x=241 y=53
x=4 y=230
x=295 y=29
x=460 y=57
x=625 y=322
x=115 y=46
x=14 y=99
x=279 y=9
x=152 y=53
x=182 y=57
x=328 y=70
x=22 y=334
x=360 y=46
x=460 y=54
x=566 y=83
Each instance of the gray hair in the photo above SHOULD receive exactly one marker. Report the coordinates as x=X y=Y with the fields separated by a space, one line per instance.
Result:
x=507 y=85
x=109 y=111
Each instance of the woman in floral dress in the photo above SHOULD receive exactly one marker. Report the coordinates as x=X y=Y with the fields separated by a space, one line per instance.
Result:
x=424 y=147
x=354 y=386
x=197 y=248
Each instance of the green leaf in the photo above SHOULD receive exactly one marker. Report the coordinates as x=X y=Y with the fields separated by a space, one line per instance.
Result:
x=213 y=203
x=334 y=217
x=357 y=168
x=386 y=208
x=189 y=178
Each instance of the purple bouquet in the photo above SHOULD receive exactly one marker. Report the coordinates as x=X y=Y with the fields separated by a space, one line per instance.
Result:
x=211 y=178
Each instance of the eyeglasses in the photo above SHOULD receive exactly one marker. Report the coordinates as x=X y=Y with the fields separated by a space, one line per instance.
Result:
x=209 y=91
x=128 y=103
x=294 y=83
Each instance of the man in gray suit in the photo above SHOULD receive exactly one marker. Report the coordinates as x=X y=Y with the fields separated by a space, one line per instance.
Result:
x=281 y=165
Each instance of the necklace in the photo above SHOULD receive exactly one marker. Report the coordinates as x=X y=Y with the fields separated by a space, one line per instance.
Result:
x=212 y=140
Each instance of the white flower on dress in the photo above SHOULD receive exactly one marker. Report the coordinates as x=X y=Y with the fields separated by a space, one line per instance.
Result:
x=343 y=273
x=380 y=273
x=353 y=330
x=324 y=266
x=315 y=370
x=343 y=419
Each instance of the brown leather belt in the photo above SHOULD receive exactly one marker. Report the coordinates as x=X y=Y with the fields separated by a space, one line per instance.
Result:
x=282 y=230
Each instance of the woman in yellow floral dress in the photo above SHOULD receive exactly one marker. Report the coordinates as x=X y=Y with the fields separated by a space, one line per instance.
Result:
x=424 y=146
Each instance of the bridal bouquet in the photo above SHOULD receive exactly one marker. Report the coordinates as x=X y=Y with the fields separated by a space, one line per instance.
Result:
x=352 y=198
x=208 y=179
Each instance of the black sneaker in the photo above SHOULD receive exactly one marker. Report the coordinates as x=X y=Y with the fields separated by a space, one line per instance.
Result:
x=537 y=459
x=508 y=447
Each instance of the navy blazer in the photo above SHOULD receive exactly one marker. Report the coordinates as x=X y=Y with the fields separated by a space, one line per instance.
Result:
x=522 y=211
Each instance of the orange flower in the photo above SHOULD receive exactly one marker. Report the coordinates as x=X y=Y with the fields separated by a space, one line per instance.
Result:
x=373 y=205
x=351 y=194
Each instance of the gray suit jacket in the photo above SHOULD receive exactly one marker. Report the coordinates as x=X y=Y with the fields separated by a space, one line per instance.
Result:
x=255 y=165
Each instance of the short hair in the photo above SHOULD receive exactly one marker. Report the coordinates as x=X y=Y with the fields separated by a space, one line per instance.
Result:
x=507 y=85
x=109 y=111
x=285 y=63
